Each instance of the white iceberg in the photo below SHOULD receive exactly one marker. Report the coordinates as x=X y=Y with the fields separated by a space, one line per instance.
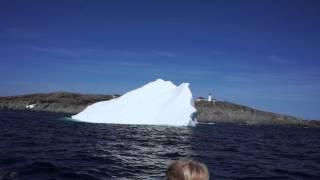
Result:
x=156 y=103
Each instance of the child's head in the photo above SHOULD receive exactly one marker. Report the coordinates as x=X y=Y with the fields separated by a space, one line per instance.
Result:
x=187 y=170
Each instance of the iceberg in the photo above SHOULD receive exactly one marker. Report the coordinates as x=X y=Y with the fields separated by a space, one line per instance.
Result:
x=156 y=103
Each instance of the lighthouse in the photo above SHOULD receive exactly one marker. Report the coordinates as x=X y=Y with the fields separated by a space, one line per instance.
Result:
x=209 y=97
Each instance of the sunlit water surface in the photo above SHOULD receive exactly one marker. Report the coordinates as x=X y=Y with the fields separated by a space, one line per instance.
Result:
x=39 y=146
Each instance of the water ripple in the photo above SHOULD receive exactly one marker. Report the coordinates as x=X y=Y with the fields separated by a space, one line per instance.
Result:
x=43 y=146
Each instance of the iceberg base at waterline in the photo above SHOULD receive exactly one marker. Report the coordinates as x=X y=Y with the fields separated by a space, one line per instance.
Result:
x=156 y=103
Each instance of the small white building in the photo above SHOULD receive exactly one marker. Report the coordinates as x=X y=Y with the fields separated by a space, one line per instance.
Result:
x=209 y=97
x=200 y=99
x=30 y=106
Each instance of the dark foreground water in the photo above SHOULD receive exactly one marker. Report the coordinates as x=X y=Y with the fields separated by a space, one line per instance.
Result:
x=43 y=146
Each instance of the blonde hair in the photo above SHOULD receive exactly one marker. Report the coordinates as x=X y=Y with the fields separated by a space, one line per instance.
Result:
x=187 y=170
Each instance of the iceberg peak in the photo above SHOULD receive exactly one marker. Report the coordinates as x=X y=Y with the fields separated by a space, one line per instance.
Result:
x=156 y=103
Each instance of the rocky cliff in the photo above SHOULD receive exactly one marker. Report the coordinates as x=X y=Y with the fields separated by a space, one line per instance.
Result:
x=228 y=112
x=207 y=112
x=53 y=102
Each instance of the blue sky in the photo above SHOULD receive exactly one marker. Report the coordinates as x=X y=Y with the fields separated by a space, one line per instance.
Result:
x=263 y=54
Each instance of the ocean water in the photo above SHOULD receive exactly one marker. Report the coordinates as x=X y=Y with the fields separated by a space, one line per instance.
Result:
x=36 y=145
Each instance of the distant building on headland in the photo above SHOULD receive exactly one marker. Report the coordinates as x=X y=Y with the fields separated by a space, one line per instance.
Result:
x=209 y=99
x=30 y=106
x=200 y=99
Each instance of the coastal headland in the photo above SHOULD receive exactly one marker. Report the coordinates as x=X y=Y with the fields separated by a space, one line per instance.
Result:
x=207 y=112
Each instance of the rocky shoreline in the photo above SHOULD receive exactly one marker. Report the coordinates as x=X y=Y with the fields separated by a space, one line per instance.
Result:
x=207 y=112
x=64 y=102
x=227 y=112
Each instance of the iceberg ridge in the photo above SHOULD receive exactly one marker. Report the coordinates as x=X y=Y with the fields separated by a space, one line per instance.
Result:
x=156 y=103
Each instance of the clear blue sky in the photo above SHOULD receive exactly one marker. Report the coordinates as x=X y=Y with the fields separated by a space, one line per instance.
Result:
x=264 y=54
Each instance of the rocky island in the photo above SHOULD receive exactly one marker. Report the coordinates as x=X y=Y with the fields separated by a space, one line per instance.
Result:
x=227 y=112
x=207 y=112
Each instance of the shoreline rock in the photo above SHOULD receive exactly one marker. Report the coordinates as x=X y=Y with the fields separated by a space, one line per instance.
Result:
x=207 y=112
x=227 y=112
x=65 y=102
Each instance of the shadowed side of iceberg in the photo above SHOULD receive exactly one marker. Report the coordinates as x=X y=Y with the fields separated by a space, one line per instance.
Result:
x=156 y=103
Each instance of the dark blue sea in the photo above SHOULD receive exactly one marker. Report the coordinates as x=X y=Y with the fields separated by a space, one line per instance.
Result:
x=40 y=146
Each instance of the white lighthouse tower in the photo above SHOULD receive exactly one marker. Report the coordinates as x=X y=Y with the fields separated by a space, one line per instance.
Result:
x=209 y=98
